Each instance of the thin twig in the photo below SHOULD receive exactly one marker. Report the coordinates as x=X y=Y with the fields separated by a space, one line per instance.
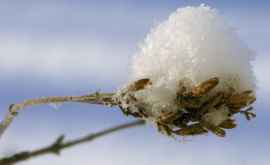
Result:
x=59 y=144
x=96 y=98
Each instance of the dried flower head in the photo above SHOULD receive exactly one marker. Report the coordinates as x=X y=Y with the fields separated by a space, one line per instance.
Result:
x=191 y=75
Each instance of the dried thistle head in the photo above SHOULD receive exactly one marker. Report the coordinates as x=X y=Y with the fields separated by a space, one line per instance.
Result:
x=197 y=110
x=190 y=76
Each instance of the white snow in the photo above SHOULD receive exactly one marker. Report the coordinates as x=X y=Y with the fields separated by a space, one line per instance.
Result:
x=195 y=44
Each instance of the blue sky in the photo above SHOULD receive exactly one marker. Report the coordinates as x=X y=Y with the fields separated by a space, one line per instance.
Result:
x=75 y=47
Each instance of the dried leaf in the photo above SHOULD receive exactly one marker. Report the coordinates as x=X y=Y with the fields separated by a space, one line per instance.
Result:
x=139 y=84
x=214 y=129
x=228 y=124
x=241 y=100
x=248 y=114
x=194 y=129
x=168 y=117
x=205 y=87
x=164 y=129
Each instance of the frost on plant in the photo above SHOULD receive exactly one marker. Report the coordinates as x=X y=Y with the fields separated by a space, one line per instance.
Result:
x=191 y=75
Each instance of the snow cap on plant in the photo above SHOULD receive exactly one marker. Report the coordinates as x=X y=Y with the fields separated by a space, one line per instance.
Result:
x=190 y=75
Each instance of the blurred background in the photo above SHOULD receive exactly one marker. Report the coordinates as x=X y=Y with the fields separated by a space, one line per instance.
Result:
x=50 y=48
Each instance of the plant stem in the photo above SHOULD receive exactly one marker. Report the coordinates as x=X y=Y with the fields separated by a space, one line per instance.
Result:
x=96 y=98
x=59 y=144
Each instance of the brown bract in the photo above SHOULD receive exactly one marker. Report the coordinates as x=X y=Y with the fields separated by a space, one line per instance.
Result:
x=201 y=109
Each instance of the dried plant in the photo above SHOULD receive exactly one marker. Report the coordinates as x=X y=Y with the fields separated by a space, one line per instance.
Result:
x=200 y=109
